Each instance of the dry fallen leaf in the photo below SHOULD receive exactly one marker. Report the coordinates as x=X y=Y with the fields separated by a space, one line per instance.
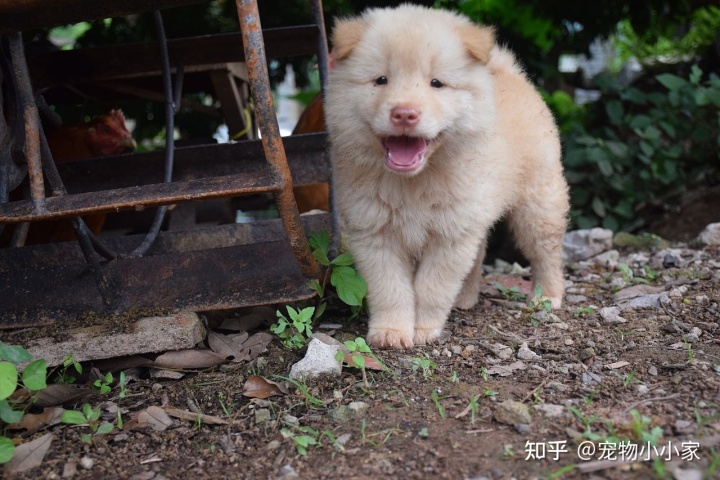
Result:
x=257 y=344
x=29 y=455
x=55 y=394
x=259 y=387
x=32 y=422
x=370 y=362
x=189 y=359
x=192 y=416
x=156 y=418
x=506 y=370
x=229 y=346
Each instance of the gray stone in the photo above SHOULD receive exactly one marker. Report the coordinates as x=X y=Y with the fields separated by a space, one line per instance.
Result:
x=147 y=335
x=556 y=386
x=609 y=259
x=683 y=427
x=319 y=361
x=653 y=300
x=524 y=353
x=710 y=235
x=550 y=410
x=262 y=415
x=522 y=428
x=575 y=298
x=345 y=413
x=611 y=315
x=583 y=244
x=511 y=412
x=501 y=351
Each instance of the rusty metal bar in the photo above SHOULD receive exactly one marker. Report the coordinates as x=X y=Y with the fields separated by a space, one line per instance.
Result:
x=254 y=48
x=31 y=119
x=142 y=196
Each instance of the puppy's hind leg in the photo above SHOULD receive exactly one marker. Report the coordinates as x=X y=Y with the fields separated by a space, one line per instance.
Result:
x=538 y=227
x=468 y=296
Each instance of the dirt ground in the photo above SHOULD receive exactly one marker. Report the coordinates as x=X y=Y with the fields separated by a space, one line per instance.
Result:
x=649 y=376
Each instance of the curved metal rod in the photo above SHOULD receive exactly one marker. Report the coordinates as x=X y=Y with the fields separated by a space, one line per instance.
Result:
x=254 y=48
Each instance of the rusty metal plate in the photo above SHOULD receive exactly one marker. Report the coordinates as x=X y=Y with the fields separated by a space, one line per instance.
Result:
x=200 y=270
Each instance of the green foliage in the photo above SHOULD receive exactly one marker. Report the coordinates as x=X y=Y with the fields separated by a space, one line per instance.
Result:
x=88 y=416
x=104 y=384
x=426 y=365
x=436 y=400
x=512 y=293
x=294 y=331
x=358 y=349
x=302 y=437
x=640 y=426
x=349 y=285
x=643 y=145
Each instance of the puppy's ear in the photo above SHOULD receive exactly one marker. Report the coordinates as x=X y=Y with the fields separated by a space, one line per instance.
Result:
x=346 y=34
x=479 y=41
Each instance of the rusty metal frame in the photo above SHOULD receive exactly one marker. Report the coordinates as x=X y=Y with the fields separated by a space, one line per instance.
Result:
x=254 y=47
x=276 y=179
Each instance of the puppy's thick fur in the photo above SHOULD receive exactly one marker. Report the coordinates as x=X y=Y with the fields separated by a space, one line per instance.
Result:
x=436 y=134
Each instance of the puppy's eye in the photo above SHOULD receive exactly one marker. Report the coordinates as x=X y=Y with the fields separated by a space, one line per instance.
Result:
x=381 y=81
x=435 y=83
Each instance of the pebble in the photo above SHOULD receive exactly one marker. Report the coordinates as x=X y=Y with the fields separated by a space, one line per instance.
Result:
x=522 y=428
x=524 y=353
x=511 y=412
x=611 y=315
x=710 y=235
x=583 y=244
x=588 y=378
x=456 y=349
x=550 y=410
x=556 y=386
x=587 y=353
x=568 y=341
x=262 y=415
x=87 y=463
x=575 y=298
x=652 y=370
x=345 y=413
x=319 y=361
x=503 y=352
x=609 y=259
x=683 y=426
x=273 y=445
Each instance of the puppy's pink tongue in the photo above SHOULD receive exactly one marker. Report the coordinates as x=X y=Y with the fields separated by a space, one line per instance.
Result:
x=404 y=151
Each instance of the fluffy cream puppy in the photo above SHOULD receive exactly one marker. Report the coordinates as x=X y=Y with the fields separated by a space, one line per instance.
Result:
x=436 y=134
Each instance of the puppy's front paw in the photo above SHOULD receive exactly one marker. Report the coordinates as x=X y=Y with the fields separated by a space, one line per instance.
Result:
x=466 y=301
x=390 y=338
x=555 y=302
x=425 y=336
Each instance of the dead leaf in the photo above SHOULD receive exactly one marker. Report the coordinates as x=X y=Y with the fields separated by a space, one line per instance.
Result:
x=257 y=344
x=616 y=365
x=125 y=363
x=370 y=362
x=192 y=416
x=189 y=359
x=32 y=422
x=55 y=394
x=156 y=418
x=254 y=319
x=259 y=387
x=629 y=293
x=229 y=346
x=29 y=455
x=506 y=370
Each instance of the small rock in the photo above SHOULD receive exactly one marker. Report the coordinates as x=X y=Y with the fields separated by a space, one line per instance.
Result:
x=522 y=428
x=652 y=370
x=642 y=389
x=575 y=298
x=468 y=351
x=560 y=325
x=550 y=410
x=503 y=352
x=319 y=361
x=69 y=470
x=345 y=413
x=524 y=353
x=273 y=445
x=670 y=261
x=583 y=244
x=687 y=474
x=654 y=300
x=511 y=412
x=710 y=235
x=542 y=316
x=290 y=420
x=456 y=349
x=587 y=353
x=609 y=259
x=683 y=427
x=556 y=386
x=588 y=378
x=611 y=315
x=87 y=463
x=287 y=472
x=262 y=415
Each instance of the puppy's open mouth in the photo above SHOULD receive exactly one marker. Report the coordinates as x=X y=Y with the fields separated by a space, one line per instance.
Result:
x=405 y=154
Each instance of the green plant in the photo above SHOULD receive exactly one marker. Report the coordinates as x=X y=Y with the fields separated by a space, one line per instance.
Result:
x=33 y=378
x=87 y=416
x=628 y=275
x=103 y=384
x=64 y=376
x=537 y=303
x=358 y=348
x=436 y=400
x=387 y=434
x=310 y=399
x=583 y=311
x=302 y=437
x=587 y=423
x=639 y=426
x=454 y=377
x=294 y=331
x=643 y=142
x=349 y=285
x=512 y=293
x=425 y=364
x=473 y=408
